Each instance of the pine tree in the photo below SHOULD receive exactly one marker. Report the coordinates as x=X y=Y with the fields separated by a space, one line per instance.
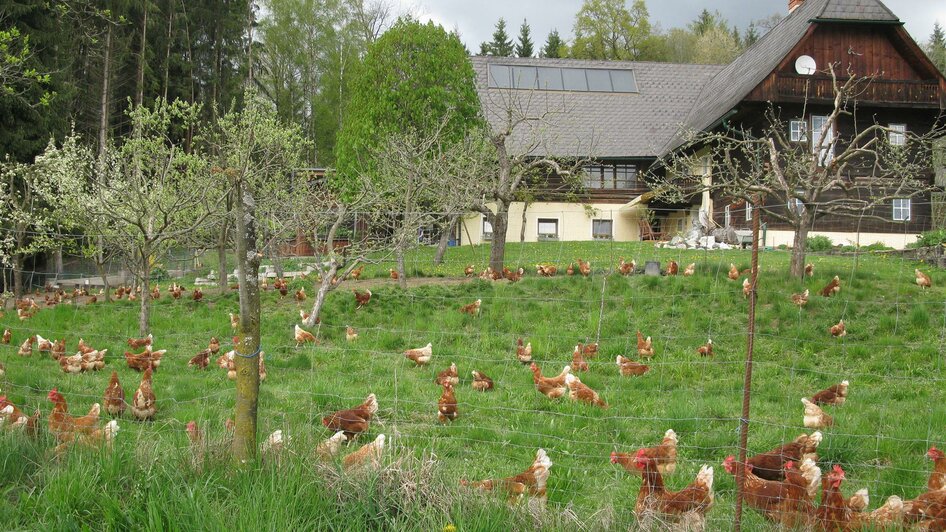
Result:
x=525 y=47
x=553 y=46
x=936 y=47
x=752 y=35
x=501 y=45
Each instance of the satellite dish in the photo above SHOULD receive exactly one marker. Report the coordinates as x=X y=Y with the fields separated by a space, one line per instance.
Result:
x=805 y=65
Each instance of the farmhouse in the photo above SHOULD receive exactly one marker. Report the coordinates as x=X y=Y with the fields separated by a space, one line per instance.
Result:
x=624 y=117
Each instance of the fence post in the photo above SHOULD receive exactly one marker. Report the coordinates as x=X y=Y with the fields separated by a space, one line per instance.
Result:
x=747 y=384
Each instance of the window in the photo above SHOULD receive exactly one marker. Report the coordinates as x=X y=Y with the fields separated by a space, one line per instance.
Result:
x=822 y=147
x=795 y=206
x=623 y=81
x=602 y=229
x=606 y=176
x=487 y=229
x=625 y=176
x=798 y=131
x=500 y=76
x=574 y=79
x=748 y=211
x=901 y=210
x=550 y=79
x=548 y=229
x=897 y=134
x=727 y=216
x=524 y=77
x=598 y=80
x=559 y=79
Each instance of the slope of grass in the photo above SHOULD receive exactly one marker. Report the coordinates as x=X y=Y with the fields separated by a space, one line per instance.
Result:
x=892 y=355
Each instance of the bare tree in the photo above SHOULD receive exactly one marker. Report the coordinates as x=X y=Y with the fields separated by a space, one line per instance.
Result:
x=371 y=17
x=523 y=130
x=801 y=182
x=344 y=238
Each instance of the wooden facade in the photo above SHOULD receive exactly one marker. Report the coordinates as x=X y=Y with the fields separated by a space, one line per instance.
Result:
x=902 y=75
x=904 y=89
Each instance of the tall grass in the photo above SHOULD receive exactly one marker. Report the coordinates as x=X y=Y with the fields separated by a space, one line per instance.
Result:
x=892 y=355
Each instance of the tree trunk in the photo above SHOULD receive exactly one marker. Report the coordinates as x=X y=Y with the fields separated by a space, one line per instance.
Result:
x=222 y=257
x=248 y=347
x=144 y=312
x=799 y=247
x=167 y=54
x=100 y=266
x=522 y=230
x=401 y=270
x=58 y=261
x=445 y=239
x=99 y=259
x=497 y=253
x=323 y=289
x=18 y=275
x=140 y=82
x=103 y=103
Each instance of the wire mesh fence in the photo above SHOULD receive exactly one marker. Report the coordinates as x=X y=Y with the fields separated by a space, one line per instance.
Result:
x=892 y=357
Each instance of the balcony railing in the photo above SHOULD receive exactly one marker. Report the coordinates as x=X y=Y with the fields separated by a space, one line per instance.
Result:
x=925 y=93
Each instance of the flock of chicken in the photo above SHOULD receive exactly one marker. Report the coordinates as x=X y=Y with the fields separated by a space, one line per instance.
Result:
x=782 y=484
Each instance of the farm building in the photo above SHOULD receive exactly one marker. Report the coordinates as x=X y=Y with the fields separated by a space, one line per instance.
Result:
x=624 y=117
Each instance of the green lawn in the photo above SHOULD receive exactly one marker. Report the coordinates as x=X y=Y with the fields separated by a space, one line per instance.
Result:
x=893 y=356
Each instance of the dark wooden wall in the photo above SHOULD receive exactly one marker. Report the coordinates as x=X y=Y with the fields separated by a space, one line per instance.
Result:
x=553 y=187
x=865 y=50
x=752 y=117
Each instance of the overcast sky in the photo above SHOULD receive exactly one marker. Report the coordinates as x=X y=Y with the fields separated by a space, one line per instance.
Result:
x=476 y=18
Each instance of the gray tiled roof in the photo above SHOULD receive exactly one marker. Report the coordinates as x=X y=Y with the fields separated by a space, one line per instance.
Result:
x=861 y=10
x=593 y=123
x=738 y=78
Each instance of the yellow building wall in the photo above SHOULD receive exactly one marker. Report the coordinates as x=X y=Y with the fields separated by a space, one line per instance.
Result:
x=894 y=240
x=574 y=222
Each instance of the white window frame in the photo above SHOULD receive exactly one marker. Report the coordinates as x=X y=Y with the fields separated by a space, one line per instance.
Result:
x=546 y=236
x=487 y=235
x=902 y=209
x=610 y=236
x=825 y=152
x=798 y=130
x=748 y=212
x=727 y=216
x=795 y=205
x=897 y=136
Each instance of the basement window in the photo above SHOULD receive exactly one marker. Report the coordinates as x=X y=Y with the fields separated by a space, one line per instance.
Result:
x=602 y=229
x=548 y=229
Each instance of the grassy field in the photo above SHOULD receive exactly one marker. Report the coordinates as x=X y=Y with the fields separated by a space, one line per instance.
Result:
x=893 y=356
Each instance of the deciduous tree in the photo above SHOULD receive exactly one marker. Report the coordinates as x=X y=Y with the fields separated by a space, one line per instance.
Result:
x=607 y=29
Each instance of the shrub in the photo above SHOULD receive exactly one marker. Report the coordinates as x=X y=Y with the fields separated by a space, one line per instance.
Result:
x=876 y=246
x=930 y=238
x=819 y=243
